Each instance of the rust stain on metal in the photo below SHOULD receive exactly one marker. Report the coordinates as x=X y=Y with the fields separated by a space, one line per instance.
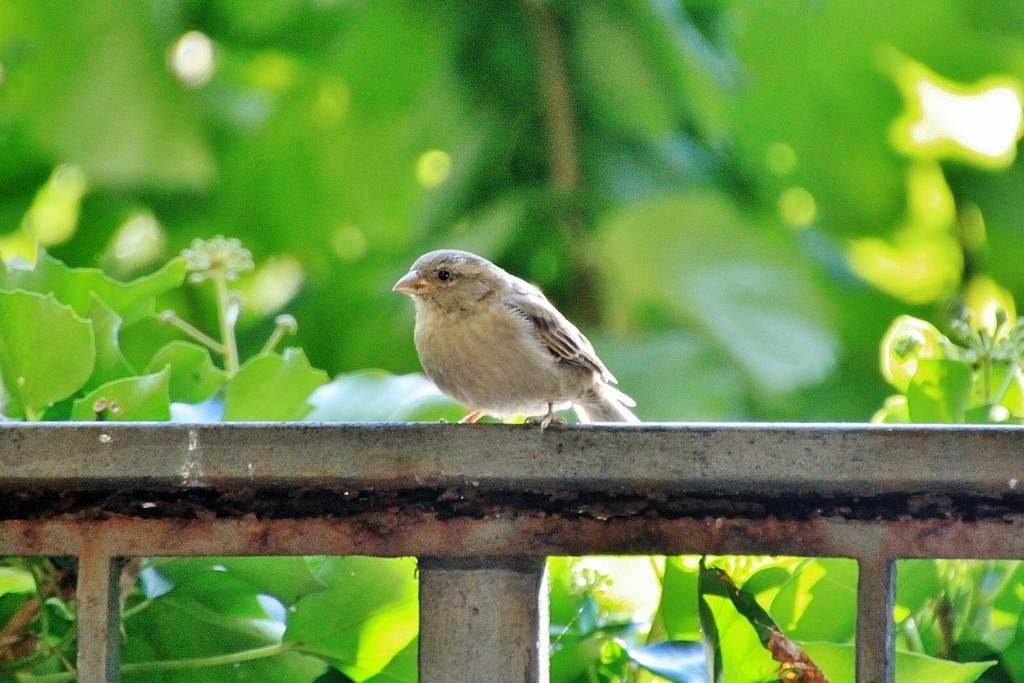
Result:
x=391 y=533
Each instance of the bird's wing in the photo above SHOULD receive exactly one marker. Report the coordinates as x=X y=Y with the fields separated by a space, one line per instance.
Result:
x=559 y=335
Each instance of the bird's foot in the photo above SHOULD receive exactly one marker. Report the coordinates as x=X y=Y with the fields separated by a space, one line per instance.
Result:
x=471 y=418
x=548 y=419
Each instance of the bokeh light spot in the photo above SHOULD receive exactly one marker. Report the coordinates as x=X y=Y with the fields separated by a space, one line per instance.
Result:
x=797 y=207
x=922 y=260
x=983 y=297
x=192 y=58
x=53 y=216
x=349 y=243
x=138 y=243
x=973 y=233
x=331 y=103
x=433 y=168
x=273 y=285
x=979 y=123
x=987 y=122
x=272 y=71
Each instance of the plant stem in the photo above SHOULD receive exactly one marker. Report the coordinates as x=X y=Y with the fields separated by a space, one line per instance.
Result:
x=173 y=664
x=172 y=319
x=556 y=98
x=284 y=324
x=131 y=612
x=1005 y=386
x=227 y=324
x=565 y=176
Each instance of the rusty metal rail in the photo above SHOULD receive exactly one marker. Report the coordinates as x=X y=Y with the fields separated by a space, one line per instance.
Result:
x=482 y=505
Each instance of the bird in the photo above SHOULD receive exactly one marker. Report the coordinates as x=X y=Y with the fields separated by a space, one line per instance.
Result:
x=494 y=343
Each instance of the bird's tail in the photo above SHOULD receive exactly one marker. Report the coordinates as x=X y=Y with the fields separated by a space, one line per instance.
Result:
x=605 y=403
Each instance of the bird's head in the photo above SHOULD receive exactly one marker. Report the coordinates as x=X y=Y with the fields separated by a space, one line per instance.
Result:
x=450 y=279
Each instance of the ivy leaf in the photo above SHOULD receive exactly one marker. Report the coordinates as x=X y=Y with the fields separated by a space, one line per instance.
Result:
x=47 y=352
x=367 y=616
x=939 y=391
x=273 y=388
x=210 y=613
x=819 y=602
x=680 y=661
x=403 y=667
x=907 y=341
x=76 y=287
x=194 y=377
x=110 y=362
x=115 y=110
x=134 y=399
x=751 y=298
x=141 y=339
x=378 y=396
x=285 y=578
x=839 y=663
x=16 y=580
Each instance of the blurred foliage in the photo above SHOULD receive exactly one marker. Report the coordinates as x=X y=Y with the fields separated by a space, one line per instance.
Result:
x=733 y=198
x=976 y=379
x=733 y=223
x=196 y=619
x=607 y=627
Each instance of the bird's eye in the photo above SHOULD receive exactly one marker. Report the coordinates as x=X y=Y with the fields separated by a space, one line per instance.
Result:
x=444 y=274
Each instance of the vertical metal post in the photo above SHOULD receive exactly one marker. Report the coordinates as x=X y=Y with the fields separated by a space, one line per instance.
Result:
x=483 y=619
x=876 y=596
x=99 y=615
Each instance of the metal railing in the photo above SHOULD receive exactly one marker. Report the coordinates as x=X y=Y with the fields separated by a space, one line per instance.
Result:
x=483 y=505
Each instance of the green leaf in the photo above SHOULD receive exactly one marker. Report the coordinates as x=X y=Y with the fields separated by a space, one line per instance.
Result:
x=46 y=351
x=819 y=602
x=76 y=287
x=134 y=399
x=893 y=411
x=678 y=596
x=194 y=377
x=939 y=391
x=626 y=73
x=678 y=661
x=752 y=299
x=378 y=396
x=142 y=338
x=706 y=384
x=16 y=580
x=271 y=387
x=366 y=617
x=838 y=662
x=735 y=652
x=1013 y=397
x=917 y=584
x=285 y=578
x=570 y=663
x=210 y=612
x=111 y=106
x=907 y=341
x=403 y=667
x=110 y=362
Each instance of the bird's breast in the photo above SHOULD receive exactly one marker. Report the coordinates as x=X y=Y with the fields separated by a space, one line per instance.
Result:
x=492 y=361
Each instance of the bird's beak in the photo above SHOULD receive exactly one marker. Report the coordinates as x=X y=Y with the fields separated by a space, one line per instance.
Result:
x=411 y=284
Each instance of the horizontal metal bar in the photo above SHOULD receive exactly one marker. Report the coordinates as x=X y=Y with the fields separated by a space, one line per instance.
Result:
x=734 y=459
x=401 y=534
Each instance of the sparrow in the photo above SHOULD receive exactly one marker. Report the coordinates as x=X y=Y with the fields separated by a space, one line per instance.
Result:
x=494 y=343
